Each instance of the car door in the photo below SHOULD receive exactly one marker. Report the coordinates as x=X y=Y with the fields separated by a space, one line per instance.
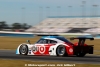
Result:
x=47 y=46
x=41 y=47
x=44 y=47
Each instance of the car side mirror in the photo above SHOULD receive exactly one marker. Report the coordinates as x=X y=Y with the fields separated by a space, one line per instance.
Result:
x=28 y=41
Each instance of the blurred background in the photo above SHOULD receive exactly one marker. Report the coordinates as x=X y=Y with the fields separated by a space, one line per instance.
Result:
x=50 y=16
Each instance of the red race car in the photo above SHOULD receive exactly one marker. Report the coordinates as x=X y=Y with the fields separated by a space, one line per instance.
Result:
x=56 y=46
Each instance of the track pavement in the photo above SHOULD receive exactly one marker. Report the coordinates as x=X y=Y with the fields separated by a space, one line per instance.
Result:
x=88 y=59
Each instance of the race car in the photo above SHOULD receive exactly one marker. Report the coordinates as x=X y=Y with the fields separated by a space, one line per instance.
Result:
x=56 y=46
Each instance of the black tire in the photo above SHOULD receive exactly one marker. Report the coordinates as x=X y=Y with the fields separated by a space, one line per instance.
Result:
x=80 y=54
x=61 y=51
x=23 y=49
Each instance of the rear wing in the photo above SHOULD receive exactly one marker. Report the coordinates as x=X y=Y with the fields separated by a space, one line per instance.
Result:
x=82 y=38
x=81 y=41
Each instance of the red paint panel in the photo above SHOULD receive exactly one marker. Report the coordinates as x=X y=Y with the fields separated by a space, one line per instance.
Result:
x=42 y=49
x=76 y=44
x=69 y=50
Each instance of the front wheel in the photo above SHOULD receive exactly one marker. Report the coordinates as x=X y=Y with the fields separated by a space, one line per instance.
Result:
x=23 y=49
x=61 y=51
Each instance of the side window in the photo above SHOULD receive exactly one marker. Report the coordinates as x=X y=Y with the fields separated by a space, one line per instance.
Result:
x=40 y=41
x=53 y=42
x=48 y=41
x=44 y=41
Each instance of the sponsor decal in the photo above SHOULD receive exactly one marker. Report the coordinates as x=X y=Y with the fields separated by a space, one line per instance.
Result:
x=29 y=52
x=70 y=50
x=34 y=49
x=42 y=49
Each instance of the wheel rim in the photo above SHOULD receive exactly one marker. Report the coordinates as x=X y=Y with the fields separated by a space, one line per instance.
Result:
x=61 y=51
x=23 y=50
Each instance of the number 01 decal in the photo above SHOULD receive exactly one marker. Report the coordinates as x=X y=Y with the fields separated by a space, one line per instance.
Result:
x=41 y=49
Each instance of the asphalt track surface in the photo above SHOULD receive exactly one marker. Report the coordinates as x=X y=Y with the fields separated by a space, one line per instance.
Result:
x=88 y=59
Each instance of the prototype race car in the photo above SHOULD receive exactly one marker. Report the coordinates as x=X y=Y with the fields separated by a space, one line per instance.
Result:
x=56 y=46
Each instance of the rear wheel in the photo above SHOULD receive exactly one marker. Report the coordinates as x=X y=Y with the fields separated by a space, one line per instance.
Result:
x=61 y=51
x=23 y=49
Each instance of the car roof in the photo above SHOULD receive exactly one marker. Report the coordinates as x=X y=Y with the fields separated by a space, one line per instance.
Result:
x=43 y=37
x=60 y=38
